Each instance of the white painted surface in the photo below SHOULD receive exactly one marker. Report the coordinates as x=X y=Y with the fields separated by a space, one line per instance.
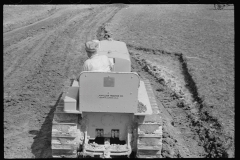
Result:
x=118 y=94
x=107 y=122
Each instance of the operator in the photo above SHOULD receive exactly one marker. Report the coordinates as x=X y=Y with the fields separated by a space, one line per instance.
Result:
x=96 y=62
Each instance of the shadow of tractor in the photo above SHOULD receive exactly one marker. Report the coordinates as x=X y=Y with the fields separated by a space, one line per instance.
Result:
x=41 y=147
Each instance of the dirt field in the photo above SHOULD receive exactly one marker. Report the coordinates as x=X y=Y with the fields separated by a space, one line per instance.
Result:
x=186 y=51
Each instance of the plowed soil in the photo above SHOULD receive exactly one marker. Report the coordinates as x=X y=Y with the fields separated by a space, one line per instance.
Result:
x=39 y=61
x=186 y=51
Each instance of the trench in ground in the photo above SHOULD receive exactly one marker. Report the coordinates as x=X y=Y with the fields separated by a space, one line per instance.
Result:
x=183 y=104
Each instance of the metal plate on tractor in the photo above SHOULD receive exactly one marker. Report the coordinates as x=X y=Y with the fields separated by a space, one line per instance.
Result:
x=108 y=81
x=108 y=92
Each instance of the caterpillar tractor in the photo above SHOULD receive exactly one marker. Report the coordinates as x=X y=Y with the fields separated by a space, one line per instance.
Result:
x=108 y=114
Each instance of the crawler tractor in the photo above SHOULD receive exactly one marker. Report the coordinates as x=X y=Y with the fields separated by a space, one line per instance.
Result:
x=108 y=114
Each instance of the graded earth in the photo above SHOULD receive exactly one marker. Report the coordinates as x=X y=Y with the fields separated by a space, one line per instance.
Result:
x=186 y=52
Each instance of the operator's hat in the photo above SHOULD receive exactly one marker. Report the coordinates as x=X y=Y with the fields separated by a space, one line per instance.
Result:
x=92 y=46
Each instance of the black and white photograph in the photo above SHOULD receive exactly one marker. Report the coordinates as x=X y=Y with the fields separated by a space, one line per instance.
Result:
x=119 y=80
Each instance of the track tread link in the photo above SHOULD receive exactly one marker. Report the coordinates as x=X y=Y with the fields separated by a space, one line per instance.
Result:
x=149 y=142
x=66 y=135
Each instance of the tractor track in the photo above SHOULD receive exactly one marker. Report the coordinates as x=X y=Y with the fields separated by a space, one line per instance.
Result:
x=39 y=61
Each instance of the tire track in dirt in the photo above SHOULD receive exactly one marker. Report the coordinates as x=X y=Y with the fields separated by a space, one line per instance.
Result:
x=36 y=81
x=56 y=20
x=21 y=59
x=27 y=31
x=39 y=17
